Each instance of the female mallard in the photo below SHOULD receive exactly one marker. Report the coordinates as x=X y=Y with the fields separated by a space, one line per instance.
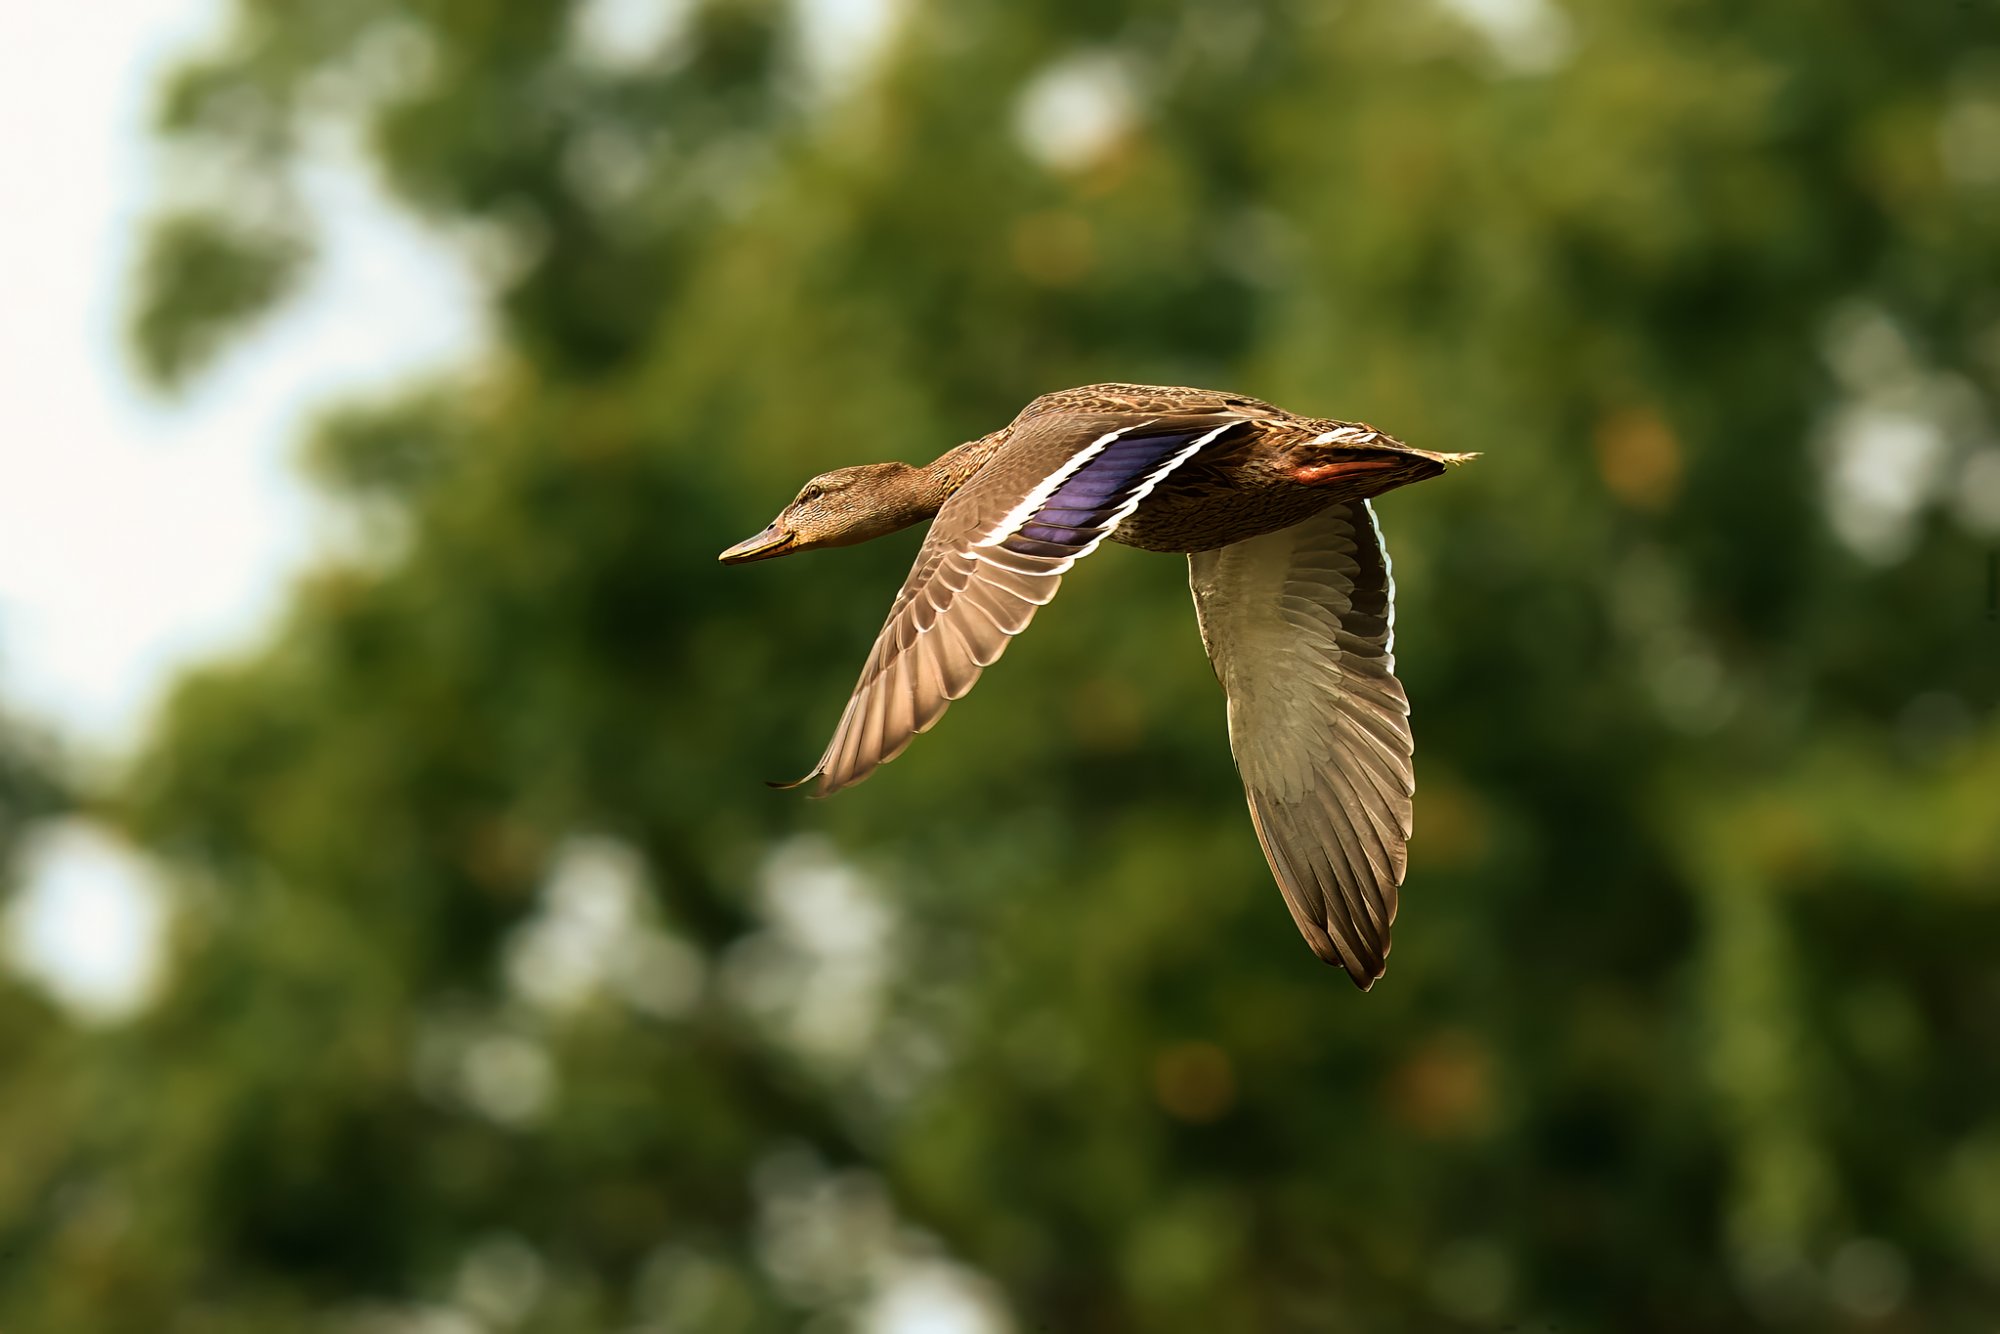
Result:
x=1291 y=590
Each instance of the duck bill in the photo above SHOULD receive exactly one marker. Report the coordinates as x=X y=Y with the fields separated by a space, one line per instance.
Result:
x=773 y=541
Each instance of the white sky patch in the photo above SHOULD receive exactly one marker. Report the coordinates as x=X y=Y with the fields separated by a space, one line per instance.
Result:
x=628 y=34
x=509 y=1078
x=595 y=934
x=89 y=921
x=500 y=1280
x=836 y=1242
x=1900 y=435
x=1076 y=110
x=1881 y=468
x=935 y=1297
x=136 y=535
x=843 y=40
x=1526 y=36
x=466 y=1060
x=818 y=972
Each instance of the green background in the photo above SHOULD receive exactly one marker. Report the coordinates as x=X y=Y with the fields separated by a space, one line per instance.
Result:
x=503 y=992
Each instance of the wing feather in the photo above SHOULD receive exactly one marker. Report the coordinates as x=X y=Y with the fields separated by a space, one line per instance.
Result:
x=996 y=552
x=1300 y=627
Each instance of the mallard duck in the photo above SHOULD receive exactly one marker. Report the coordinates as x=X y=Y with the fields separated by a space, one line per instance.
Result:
x=1292 y=593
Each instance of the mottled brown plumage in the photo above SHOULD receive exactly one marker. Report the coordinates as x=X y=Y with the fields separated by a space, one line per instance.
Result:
x=1291 y=587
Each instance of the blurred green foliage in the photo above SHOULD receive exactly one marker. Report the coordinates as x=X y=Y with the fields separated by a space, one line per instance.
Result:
x=1692 y=1020
x=30 y=787
x=203 y=279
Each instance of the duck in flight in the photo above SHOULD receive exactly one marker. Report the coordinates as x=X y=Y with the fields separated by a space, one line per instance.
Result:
x=1292 y=592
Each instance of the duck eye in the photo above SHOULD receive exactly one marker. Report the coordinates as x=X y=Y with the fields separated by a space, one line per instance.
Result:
x=811 y=493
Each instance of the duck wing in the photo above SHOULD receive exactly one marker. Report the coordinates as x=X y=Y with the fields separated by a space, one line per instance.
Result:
x=995 y=553
x=1300 y=627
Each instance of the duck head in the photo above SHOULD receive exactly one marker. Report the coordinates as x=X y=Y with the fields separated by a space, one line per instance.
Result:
x=842 y=507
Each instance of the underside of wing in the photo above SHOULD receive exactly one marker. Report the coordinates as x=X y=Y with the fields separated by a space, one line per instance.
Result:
x=996 y=552
x=1300 y=627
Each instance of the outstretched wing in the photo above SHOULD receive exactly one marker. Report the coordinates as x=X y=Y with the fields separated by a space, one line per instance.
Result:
x=996 y=552
x=1300 y=627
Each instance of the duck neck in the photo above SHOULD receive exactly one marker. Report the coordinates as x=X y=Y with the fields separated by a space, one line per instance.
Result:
x=955 y=467
x=901 y=494
x=915 y=495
